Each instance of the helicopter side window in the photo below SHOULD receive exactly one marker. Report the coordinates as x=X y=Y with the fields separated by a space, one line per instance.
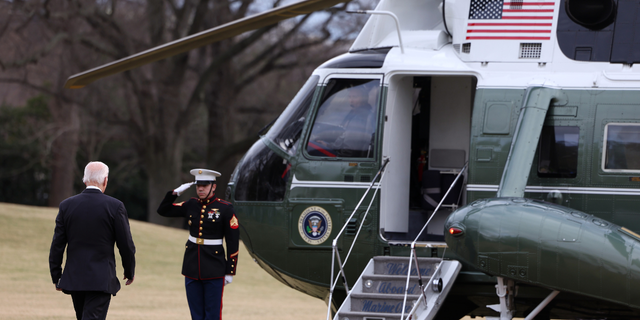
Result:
x=622 y=147
x=286 y=130
x=346 y=121
x=558 y=152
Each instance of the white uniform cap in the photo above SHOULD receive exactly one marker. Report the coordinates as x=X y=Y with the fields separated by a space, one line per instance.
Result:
x=205 y=176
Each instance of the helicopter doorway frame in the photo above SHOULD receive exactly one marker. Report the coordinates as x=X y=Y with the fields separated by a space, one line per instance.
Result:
x=446 y=138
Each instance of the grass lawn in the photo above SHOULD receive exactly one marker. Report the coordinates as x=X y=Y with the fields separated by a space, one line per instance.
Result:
x=26 y=291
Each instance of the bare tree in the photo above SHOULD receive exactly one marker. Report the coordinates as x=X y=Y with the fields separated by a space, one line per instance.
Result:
x=32 y=61
x=155 y=106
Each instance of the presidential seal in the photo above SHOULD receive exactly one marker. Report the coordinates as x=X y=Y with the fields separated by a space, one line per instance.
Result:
x=314 y=225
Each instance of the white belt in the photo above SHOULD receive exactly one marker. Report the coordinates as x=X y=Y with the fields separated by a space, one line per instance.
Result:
x=206 y=242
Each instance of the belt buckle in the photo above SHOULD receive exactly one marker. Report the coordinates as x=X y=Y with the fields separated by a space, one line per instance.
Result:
x=199 y=241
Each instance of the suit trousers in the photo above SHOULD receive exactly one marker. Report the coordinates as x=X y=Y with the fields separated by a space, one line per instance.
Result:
x=90 y=305
x=205 y=298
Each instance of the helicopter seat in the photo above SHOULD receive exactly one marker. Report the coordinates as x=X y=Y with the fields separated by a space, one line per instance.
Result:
x=453 y=198
x=431 y=189
x=447 y=163
x=435 y=184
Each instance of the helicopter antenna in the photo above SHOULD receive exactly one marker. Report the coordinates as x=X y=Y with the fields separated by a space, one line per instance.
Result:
x=388 y=13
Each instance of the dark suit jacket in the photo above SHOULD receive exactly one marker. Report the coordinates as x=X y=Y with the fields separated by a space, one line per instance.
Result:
x=88 y=225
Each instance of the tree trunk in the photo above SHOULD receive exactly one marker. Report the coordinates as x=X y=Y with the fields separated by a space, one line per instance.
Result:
x=164 y=176
x=63 y=151
x=162 y=153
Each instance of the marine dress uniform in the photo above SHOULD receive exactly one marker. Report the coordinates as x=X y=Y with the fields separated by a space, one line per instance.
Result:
x=206 y=267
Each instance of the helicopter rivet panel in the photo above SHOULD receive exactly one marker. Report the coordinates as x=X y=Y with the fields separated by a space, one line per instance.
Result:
x=548 y=245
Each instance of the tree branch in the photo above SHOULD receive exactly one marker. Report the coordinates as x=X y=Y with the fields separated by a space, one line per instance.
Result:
x=109 y=30
x=280 y=43
x=205 y=77
x=37 y=54
x=42 y=89
x=93 y=45
x=232 y=149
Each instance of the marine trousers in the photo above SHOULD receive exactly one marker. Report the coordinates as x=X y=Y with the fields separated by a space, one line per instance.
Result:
x=205 y=298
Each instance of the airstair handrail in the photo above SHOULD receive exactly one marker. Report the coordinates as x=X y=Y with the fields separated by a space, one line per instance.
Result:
x=440 y=203
x=334 y=244
x=413 y=256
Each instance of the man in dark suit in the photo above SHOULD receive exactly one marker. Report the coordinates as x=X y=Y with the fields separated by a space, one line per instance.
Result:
x=88 y=225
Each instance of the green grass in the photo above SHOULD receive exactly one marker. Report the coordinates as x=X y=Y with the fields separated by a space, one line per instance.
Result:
x=26 y=291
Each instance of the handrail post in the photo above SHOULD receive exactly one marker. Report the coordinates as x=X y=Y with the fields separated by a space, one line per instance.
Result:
x=334 y=244
x=331 y=285
x=420 y=283
x=406 y=288
x=344 y=276
x=414 y=256
x=441 y=201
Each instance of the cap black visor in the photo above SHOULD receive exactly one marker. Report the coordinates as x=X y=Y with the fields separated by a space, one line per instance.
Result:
x=204 y=182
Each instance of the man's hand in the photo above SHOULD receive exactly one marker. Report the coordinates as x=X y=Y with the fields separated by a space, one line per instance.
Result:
x=179 y=190
x=227 y=279
x=57 y=289
x=129 y=281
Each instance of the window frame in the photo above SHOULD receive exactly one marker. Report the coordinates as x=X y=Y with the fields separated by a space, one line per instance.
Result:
x=319 y=101
x=542 y=175
x=603 y=158
x=309 y=87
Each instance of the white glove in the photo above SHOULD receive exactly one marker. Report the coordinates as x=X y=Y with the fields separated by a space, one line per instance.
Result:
x=227 y=279
x=179 y=190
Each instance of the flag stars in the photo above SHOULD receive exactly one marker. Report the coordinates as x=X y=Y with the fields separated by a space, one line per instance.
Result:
x=485 y=9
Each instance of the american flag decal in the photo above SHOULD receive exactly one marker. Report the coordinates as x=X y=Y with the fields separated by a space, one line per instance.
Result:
x=514 y=20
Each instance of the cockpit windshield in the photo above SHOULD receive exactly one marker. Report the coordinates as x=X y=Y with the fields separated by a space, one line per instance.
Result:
x=346 y=121
x=286 y=130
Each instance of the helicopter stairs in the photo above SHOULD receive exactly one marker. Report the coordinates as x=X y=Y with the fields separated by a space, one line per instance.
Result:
x=379 y=292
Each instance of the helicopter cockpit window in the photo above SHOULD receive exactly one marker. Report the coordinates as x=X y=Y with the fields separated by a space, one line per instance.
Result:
x=261 y=175
x=285 y=132
x=622 y=147
x=346 y=121
x=558 y=152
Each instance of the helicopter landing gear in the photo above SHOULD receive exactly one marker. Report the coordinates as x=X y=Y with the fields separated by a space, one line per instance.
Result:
x=506 y=307
x=505 y=292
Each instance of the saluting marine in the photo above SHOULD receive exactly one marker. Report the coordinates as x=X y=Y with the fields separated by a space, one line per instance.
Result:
x=205 y=266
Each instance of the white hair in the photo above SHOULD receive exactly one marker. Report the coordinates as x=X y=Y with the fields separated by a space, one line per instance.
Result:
x=95 y=172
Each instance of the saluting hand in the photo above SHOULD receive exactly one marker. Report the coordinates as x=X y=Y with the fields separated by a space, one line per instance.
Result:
x=179 y=190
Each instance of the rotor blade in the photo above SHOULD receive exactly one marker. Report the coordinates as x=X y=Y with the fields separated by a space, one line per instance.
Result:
x=200 y=39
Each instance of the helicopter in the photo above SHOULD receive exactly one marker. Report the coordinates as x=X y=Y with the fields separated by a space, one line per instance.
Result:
x=493 y=143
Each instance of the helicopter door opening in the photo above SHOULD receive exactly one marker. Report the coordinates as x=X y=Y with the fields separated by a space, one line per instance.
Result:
x=427 y=136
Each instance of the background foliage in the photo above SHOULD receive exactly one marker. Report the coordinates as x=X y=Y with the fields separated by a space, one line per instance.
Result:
x=150 y=125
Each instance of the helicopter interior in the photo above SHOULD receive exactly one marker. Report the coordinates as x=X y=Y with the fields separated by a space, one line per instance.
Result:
x=427 y=137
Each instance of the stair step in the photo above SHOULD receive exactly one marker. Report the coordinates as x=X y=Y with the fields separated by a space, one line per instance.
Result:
x=352 y=315
x=381 y=303
x=386 y=284
x=388 y=265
